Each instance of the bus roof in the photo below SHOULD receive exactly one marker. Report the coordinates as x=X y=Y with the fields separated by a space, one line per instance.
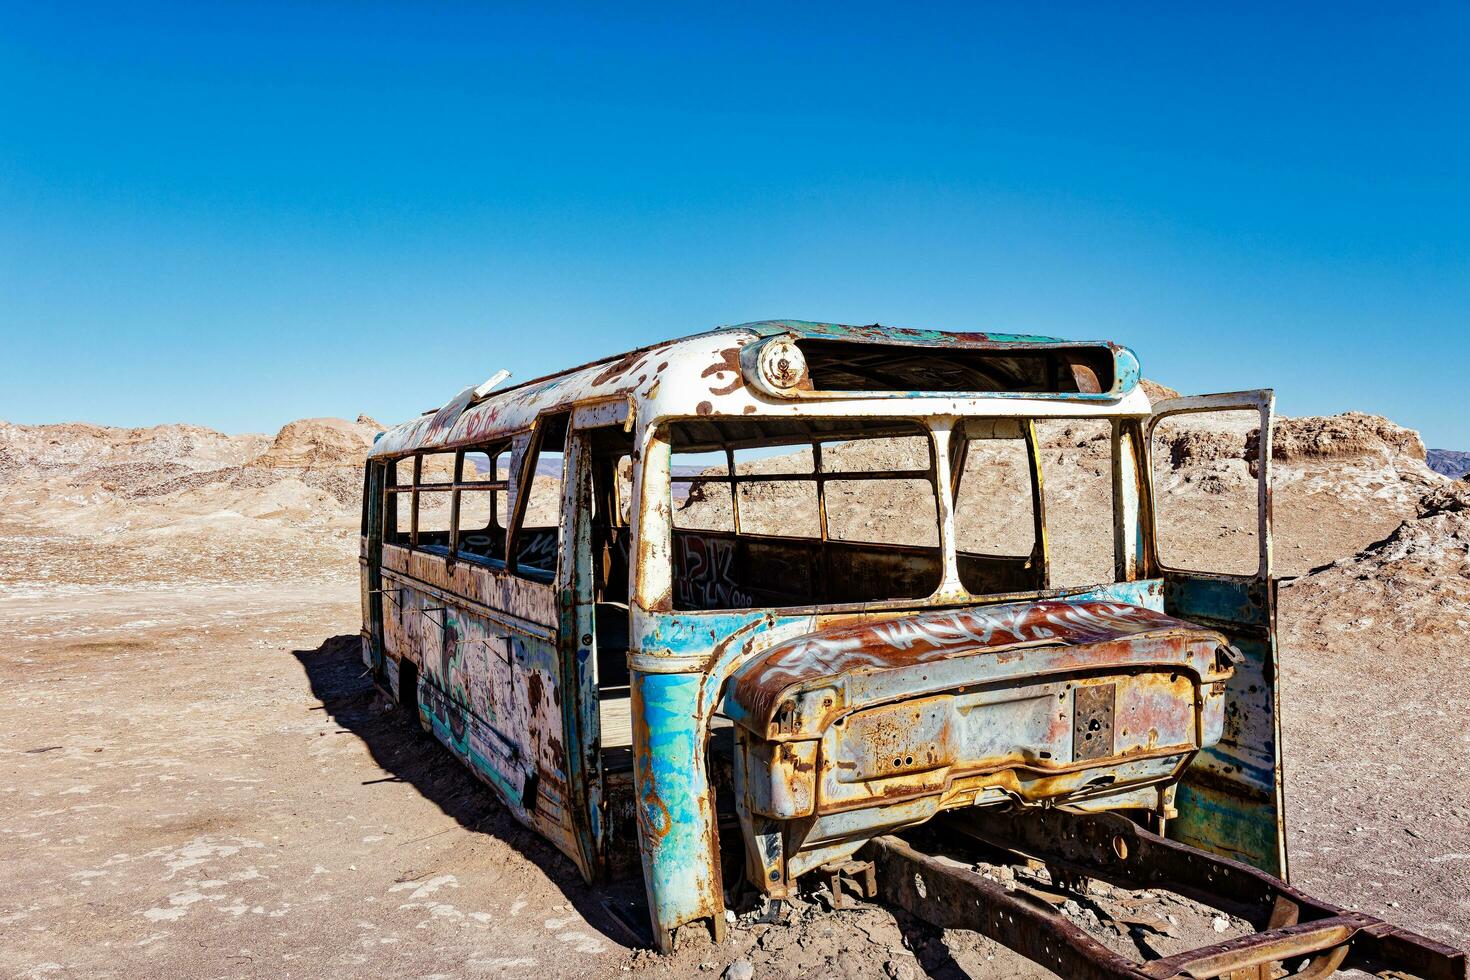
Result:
x=718 y=373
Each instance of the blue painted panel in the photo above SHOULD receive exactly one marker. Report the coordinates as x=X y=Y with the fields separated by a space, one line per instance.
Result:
x=1229 y=800
x=675 y=807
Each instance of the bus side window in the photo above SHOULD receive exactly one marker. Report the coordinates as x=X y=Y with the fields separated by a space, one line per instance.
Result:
x=480 y=528
x=398 y=501
x=535 y=541
x=432 y=499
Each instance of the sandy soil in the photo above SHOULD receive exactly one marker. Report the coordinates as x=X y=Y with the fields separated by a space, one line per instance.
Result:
x=198 y=780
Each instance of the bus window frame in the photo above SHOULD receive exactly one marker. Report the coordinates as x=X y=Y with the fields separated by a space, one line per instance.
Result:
x=395 y=535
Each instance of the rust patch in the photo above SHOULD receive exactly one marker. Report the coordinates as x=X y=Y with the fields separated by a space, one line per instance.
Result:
x=729 y=363
x=704 y=408
x=534 y=691
x=653 y=816
x=887 y=644
x=623 y=365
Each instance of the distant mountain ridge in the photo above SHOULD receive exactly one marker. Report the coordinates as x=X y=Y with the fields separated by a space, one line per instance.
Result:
x=1449 y=462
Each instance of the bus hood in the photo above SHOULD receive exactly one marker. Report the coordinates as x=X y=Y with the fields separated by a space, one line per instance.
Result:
x=797 y=688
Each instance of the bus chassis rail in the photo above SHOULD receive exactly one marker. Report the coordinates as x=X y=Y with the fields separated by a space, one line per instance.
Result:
x=1315 y=936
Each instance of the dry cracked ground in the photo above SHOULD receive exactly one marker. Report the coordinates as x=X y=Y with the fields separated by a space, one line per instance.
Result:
x=198 y=781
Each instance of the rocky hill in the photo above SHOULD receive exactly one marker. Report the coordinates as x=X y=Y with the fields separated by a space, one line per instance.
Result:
x=1410 y=588
x=179 y=499
x=1341 y=483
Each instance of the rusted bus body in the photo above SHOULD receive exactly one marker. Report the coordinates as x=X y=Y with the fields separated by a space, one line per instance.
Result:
x=595 y=666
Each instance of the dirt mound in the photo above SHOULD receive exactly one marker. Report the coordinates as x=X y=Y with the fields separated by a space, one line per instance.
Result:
x=311 y=443
x=1412 y=586
x=1340 y=482
x=180 y=499
x=1349 y=436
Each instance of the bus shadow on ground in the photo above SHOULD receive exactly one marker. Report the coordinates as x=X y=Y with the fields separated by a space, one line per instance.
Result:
x=401 y=748
x=618 y=910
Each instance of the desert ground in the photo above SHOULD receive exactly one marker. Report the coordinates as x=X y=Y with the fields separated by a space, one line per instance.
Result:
x=199 y=781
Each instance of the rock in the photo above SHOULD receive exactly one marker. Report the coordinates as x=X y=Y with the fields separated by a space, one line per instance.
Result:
x=898 y=970
x=1340 y=436
x=1155 y=391
x=318 y=442
x=739 y=970
x=774 y=940
x=1220 y=923
x=1451 y=498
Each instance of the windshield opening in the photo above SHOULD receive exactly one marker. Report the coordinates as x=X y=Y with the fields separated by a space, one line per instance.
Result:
x=790 y=513
x=799 y=512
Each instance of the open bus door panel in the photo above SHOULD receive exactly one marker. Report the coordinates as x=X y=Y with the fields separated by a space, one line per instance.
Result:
x=1230 y=800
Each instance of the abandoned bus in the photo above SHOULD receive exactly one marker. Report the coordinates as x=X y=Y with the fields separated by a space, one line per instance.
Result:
x=786 y=588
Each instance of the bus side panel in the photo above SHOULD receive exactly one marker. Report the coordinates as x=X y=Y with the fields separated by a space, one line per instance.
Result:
x=484 y=643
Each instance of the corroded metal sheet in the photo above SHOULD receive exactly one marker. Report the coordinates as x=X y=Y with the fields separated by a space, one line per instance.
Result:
x=873 y=647
x=485 y=644
x=1092 y=719
x=676 y=820
x=997 y=735
x=510 y=595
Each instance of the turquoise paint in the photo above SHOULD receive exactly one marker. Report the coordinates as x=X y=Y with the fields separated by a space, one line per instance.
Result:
x=1126 y=369
x=1225 y=824
x=675 y=806
x=698 y=634
x=842 y=331
x=1227 y=600
x=480 y=765
x=1148 y=593
x=1230 y=799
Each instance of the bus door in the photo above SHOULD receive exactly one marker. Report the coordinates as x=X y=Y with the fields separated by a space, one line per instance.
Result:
x=543 y=663
x=1209 y=462
x=370 y=561
x=593 y=584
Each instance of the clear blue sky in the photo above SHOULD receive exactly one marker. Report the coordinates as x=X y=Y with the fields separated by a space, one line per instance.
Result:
x=238 y=215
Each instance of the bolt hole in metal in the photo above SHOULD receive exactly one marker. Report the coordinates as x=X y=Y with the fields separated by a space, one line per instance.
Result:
x=1120 y=848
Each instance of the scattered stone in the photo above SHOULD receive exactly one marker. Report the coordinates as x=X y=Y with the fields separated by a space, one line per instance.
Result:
x=898 y=970
x=739 y=970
